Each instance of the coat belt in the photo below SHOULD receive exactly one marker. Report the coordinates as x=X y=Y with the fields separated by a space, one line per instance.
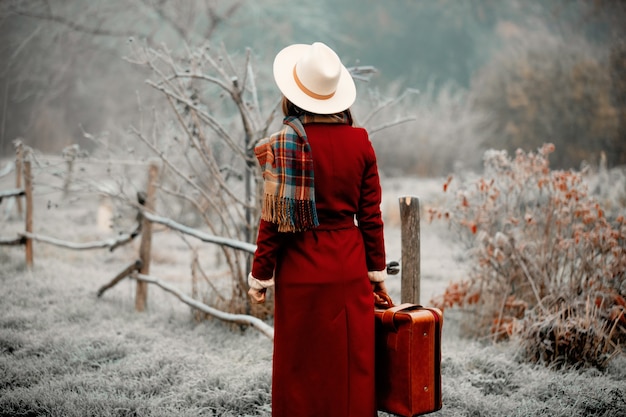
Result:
x=336 y=223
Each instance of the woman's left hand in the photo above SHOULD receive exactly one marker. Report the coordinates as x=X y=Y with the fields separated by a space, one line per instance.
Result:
x=379 y=287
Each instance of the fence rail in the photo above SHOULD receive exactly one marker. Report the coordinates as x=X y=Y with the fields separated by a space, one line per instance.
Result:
x=22 y=168
x=18 y=192
x=111 y=244
x=139 y=270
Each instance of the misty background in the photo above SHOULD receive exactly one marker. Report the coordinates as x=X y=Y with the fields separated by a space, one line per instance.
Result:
x=462 y=76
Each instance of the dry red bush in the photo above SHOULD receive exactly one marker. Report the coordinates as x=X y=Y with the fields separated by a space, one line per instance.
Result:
x=549 y=267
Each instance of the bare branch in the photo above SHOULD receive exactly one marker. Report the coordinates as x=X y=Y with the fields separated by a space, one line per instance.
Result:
x=178 y=172
x=391 y=124
x=258 y=324
x=204 y=77
x=211 y=121
x=167 y=19
x=530 y=279
x=363 y=73
x=253 y=91
x=234 y=89
x=49 y=16
x=216 y=19
x=211 y=226
x=197 y=267
x=23 y=44
x=215 y=65
x=263 y=132
x=202 y=210
x=205 y=237
x=216 y=171
x=389 y=103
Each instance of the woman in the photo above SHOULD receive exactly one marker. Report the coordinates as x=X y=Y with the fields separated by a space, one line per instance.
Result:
x=320 y=241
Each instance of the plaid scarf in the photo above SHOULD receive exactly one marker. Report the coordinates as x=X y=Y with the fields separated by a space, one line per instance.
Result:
x=287 y=164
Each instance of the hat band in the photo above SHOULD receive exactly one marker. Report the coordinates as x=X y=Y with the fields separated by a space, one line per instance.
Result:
x=309 y=92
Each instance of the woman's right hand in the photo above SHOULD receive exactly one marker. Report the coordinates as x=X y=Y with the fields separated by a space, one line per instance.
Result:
x=257 y=296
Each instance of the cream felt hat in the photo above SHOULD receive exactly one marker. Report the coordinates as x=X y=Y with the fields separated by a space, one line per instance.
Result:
x=313 y=78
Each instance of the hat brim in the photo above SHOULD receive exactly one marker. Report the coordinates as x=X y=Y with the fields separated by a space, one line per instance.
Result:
x=283 y=75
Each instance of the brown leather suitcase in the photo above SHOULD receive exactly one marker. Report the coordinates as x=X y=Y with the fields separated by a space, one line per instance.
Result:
x=408 y=359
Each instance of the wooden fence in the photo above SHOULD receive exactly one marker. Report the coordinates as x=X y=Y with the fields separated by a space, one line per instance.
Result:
x=22 y=168
x=139 y=269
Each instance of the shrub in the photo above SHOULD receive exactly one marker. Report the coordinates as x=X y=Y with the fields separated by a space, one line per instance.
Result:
x=548 y=266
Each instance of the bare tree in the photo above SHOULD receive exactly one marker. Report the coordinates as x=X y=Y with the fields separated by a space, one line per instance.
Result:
x=207 y=153
x=61 y=66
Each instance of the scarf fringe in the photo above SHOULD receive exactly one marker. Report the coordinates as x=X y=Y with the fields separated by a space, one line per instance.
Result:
x=290 y=214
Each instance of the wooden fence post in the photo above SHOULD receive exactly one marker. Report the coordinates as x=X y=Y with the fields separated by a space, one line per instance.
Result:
x=19 y=159
x=28 y=193
x=410 y=235
x=146 y=239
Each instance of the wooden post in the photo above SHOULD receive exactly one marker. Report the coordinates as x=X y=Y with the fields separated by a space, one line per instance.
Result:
x=146 y=239
x=28 y=192
x=68 y=177
x=19 y=158
x=410 y=235
x=69 y=153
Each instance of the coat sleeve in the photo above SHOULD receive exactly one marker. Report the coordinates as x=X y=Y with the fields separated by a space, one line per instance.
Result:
x=267 y=246
x=369 y=215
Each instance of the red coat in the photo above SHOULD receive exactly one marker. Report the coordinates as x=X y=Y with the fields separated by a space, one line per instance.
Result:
x=324 y=322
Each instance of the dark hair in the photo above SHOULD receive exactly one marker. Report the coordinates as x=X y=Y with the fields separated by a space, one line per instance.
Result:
x=290 y=109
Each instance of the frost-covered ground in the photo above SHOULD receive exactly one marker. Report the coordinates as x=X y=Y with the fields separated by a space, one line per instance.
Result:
x=65 y=352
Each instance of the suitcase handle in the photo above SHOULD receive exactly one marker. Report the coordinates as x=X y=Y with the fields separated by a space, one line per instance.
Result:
x=388 y=317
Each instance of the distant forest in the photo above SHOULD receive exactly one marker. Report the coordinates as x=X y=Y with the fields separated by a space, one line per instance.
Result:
x=532 y=71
